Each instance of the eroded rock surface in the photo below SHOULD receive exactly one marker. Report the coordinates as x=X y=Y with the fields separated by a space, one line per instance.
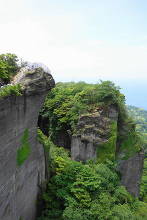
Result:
x=19 y=185
x=131 y=172
x=93 y=131
x=97 y=138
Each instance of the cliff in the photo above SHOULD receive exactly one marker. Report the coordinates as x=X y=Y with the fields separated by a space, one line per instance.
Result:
x=100 y=136
x=22 y=166
x=94 y=130
x=92 y=121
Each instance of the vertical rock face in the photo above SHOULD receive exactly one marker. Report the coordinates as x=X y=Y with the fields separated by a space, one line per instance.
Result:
x=19 y=183
x=131 y=171
x=63 y=139
x=93 y=131
x=97 y=138
x=130 y=156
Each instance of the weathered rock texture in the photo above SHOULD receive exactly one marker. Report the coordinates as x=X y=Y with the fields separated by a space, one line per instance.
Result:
x=97 y=138
x=131 y=171
x=93 y=130
x=19 y=185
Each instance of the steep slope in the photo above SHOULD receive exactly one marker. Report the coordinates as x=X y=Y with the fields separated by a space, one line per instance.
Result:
x=100 y=136
x=140 y=117
x=22 y=167
x=95 y=120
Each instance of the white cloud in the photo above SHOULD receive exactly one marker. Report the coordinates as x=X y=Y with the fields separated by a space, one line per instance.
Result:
x=53 y=41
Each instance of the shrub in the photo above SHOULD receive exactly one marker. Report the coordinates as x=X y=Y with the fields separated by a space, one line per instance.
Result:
x=67 y=101
x=10 y=90
x=8 y=67
x=87 y=191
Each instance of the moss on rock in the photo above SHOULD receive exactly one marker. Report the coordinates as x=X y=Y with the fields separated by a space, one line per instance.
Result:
x=130 y=143
x=107 y=150
x=24 y=151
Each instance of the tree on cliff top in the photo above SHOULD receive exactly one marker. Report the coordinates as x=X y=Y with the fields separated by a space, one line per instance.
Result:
x=67 y=101
x=8 y=67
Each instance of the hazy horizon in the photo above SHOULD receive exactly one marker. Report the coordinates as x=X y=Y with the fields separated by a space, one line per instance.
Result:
x=81 y=40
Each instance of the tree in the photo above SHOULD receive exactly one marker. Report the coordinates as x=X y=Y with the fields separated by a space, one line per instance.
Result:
x=8 y=67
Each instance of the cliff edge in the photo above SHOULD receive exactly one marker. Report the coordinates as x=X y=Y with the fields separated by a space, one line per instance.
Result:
x=101 y=136
x=22 y=166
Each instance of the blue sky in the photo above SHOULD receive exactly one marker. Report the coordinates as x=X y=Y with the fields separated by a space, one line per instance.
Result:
x=81 y=40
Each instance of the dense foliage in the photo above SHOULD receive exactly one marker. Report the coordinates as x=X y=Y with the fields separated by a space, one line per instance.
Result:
x=67 y=101
x=143 y=187
x=140 y=117
x=8 y=67
x=77 y=191
x=10 y=90
x=90 y=191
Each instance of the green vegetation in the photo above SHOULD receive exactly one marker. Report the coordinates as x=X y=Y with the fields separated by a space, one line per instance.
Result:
x=131 y=143
x=108 y=150
x=44 y=141
x=24 y=151
x=88 y=191
x=67 y=101
x=140 y=117
x=10 y=90
x=47 y=145
x=143 y=194
x=8 y=67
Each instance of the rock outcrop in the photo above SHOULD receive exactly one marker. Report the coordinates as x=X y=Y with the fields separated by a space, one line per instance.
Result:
x=22 y=174
x=99 y=136
x=131 y=172
x=93 y=132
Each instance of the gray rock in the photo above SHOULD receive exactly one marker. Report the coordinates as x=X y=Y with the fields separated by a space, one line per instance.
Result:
x=1 y=82
x=131 y=172
x=19 y=185
x=82 y=150
x=92 y=130
x=34 y=81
